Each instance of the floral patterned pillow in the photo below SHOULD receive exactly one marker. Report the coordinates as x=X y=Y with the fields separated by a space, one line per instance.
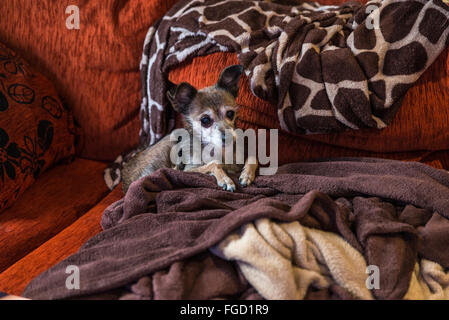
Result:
x=36 y=131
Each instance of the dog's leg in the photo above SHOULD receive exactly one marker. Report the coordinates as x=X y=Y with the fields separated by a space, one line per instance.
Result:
x=216 y=169
x=249 y=172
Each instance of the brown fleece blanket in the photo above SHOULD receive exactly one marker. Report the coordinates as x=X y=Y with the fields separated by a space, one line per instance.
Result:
x=188 y=279
x=392 y=212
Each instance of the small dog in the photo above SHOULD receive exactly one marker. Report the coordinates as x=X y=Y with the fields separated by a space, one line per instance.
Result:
x=208 y=115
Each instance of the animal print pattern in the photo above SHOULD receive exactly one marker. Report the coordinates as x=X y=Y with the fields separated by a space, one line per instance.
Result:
x=326 y=68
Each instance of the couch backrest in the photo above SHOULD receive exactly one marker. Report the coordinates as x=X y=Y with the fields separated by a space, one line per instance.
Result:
x=95 y=69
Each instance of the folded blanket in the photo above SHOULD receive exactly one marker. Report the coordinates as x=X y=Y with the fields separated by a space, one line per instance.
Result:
x=189 y=279
x=389 y=211
x=282 y=260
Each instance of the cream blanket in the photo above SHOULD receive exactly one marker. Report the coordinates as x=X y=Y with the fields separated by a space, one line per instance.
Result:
x=429 y=282
x=283 y=260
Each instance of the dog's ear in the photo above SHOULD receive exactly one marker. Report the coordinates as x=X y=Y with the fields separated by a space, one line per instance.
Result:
x=229 y=79
x=181 y=96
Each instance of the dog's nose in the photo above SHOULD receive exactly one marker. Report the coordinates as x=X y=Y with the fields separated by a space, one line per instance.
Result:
x=223 y=137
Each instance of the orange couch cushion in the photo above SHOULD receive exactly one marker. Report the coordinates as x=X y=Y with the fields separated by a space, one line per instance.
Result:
x=420 y=125
x=95 y=69
x=56 y=200
x=35 y=130
x=67 y=242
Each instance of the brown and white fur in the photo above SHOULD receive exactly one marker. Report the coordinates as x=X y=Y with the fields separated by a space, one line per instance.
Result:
x=208 y=114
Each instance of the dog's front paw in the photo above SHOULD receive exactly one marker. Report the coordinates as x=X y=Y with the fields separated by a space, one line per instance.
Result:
x=246 y=178
x=226 y=183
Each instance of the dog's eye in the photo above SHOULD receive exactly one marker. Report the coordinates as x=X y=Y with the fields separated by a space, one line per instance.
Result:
x=230 y=114
x=206 y=121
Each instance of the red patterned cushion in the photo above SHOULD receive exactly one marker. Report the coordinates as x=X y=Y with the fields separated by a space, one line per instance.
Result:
x=35 y=129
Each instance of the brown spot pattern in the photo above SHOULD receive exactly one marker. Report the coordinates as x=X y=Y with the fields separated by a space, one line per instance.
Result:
x=433 y=25
x=398 y=18
x=409 y=59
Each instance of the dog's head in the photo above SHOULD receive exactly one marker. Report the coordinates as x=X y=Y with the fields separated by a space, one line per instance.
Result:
x=210 y=112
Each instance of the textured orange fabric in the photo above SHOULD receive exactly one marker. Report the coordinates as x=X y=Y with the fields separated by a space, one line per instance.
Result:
x=35 y=130
x=420 y=125
x=56 y=200
x=95 y=69
x=15 y=278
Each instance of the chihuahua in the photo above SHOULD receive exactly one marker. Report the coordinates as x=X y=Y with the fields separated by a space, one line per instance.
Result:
x=209 y=117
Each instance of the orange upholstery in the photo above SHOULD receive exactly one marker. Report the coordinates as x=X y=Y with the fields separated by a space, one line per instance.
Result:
x=56 y=200
x=95 y=69
x=67 y=242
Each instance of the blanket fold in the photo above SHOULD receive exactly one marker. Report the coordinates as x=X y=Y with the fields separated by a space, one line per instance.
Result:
x=189 y=279
x=391 y=212
x=282 y=260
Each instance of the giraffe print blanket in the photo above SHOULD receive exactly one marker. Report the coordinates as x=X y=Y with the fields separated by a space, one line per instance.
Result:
x=326 y=68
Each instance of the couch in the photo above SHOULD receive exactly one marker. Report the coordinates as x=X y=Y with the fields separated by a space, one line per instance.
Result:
x=95 y=71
